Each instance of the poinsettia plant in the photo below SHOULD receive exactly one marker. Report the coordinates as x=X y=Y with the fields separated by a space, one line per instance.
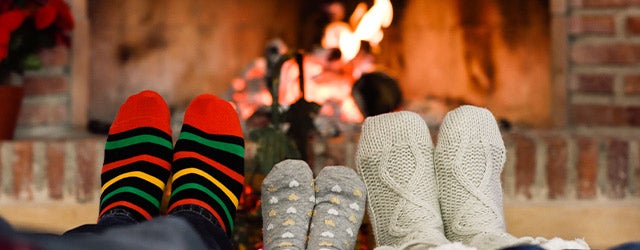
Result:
x=27 y=27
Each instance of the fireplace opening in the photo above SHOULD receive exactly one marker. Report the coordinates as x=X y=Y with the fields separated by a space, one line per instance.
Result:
x=490 y=53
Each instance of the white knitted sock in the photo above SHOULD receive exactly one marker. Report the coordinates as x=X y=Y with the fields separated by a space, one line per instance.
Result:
x=395 y=160
x=469 y=158
x=287 y=201
x=340 y=205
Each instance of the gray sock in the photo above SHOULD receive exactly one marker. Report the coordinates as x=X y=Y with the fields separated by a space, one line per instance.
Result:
x=340 y=205
x=287 y=201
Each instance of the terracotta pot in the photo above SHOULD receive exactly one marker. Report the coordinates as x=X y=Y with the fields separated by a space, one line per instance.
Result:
x=10 y=102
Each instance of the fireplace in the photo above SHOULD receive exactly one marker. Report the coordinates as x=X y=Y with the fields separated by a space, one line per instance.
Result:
x=578 y=159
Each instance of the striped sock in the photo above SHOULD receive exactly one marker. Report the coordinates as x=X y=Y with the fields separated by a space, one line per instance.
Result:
x=208 y=161
x=137 y=158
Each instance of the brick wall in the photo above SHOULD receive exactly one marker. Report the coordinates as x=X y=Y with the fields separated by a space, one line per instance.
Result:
x=46 y=109
x=604 y=52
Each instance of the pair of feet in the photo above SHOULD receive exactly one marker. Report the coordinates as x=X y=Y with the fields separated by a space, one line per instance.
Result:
x=421 y=196
x=302 y=213
x=206 y=166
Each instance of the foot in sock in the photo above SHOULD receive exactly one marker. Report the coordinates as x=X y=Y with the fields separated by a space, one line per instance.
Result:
x=395 y=160
x=340 y=205
x=469 y=158
x=137 y=159
x=208 y=162
x=287 y=201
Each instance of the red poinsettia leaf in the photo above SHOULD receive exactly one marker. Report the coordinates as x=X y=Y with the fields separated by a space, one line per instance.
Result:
x=4 y=37
x=44 y=16
x=11 y=20
x=65 y=19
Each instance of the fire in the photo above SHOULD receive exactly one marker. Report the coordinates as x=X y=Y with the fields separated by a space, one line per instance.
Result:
x=331 y=82
x=326 y=82
x=365 y=25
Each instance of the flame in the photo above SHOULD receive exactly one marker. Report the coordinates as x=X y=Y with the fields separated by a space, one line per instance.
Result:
x=385 y=10
x=357 y=14
x=349 y=45
x=368 y=27
x=322 y=84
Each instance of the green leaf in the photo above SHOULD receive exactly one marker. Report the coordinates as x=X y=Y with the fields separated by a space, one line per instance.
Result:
x=32 y=62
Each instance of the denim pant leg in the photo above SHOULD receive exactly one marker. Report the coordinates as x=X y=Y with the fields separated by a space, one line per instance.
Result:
x=523 y=247
x=205 y=224
x=114 y=218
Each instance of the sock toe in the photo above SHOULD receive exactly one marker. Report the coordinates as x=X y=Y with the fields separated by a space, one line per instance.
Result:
x=145 y=109
x=213 y=115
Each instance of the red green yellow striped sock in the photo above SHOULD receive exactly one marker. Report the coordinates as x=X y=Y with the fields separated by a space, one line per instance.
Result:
x=208 y=161
x=137 y=158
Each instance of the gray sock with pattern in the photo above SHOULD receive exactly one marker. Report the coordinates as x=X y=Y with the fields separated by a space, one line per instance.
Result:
x=340 y=205
x=287 y=201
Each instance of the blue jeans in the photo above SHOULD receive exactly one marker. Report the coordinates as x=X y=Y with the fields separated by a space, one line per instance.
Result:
x=187 y=227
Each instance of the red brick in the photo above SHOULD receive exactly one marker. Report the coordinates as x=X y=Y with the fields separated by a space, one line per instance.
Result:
x=633 y=115
x=56 y=56
x=87 y=169
x=55 y=113
x=633 y=25
x=525 y=164
x=632 y=84
x=23 y=170
x=588 y=24
x=618 y=168
x=556 y=166
x=598 y=115
x=45 y=85
x=602 y=3
x=587 y=167
x=611 y=53
x=55 y=169
x=595 y=83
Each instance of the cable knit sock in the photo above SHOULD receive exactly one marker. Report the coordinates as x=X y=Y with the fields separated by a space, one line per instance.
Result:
x=395 y=160
x=137 y=158
x=287 y=202
x=208 y=162
x=469 y=158
x=340 y=205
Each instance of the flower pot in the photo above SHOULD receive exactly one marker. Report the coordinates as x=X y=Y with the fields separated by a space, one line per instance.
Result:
x=10 y=102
